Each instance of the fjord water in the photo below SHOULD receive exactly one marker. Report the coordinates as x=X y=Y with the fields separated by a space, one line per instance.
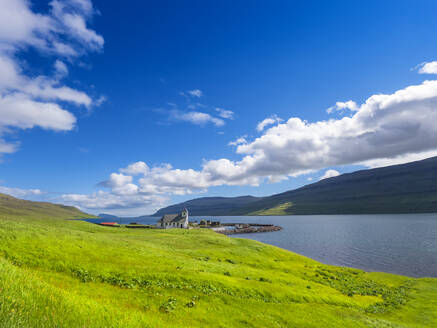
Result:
x=403 y=244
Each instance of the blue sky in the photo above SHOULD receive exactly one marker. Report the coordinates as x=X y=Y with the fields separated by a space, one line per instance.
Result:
x=126 y=107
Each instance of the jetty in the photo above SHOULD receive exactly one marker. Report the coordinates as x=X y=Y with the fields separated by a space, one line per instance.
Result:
x=238 y=228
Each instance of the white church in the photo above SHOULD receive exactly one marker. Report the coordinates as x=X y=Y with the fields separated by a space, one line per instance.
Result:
x=174 y=221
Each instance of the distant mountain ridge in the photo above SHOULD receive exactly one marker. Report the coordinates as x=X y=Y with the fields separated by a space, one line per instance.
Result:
x=209 y=205
x=115 y=217
x=404 y=188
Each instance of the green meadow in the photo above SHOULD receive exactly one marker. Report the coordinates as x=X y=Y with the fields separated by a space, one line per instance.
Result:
x=58 y=272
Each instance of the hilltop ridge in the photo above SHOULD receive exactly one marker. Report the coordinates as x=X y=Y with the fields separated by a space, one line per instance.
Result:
x=11 y=206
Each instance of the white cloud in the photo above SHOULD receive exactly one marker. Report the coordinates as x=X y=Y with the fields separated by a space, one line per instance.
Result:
x=64 y=49
x=18 y=110
x=268 y=121
x=86 y=6
x=136 y=168
x=26 y=100
x=224 y=113
x=342 y=105
x=238 y=141
x=116 y=204
x=61 y=69
x=18 y=192
x=428 y=68
x=329 y=174
x=100 y=101
x=7 y=147
x=77 y=26
x=195 y=117
x=195 y=93
x=195 y=112
x=401 y=159
x=20 y=26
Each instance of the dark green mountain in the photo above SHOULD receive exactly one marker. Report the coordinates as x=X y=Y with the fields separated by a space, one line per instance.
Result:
x=210 y=205
x=405 y=188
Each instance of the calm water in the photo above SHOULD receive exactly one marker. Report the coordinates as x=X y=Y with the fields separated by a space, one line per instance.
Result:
x=402 y=244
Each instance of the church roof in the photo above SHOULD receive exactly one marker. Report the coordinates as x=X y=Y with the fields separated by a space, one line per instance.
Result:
x=172 y=218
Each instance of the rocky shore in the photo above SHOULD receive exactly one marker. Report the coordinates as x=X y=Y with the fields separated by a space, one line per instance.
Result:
x=248 y=228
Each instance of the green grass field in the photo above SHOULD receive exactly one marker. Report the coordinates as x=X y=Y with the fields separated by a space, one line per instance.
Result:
x=56 y=272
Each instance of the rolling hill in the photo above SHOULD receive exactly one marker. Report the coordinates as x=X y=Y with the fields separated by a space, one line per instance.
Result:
x=404 y=188
x=12 y=206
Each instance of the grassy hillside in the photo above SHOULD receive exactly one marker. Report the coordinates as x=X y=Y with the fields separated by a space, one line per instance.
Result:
x=406 y=188
x=14 y=207
x=63 y=273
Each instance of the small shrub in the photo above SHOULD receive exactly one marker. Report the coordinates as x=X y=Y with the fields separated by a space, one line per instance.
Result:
x=168 y=306
x=262 y=279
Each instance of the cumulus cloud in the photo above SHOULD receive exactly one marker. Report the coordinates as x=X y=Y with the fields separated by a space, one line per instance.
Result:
x=117 y=204
x=136 y=168
x=342 y=105
x=329 y=174
x=18 y=192
x=268 y=121
x=428 y=68
x=26 y=100
x=20 y=26
x=21 y=111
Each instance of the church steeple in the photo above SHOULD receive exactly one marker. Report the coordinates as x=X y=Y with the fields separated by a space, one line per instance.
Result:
x=184 y=215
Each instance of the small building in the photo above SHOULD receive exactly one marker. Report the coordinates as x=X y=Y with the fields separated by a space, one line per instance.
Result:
x=109 y=224
x=205 y=222
x=174 y=221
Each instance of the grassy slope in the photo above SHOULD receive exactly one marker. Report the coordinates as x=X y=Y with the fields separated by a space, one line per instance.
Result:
x=13 y=208
x=280 y=209
x=59 y=273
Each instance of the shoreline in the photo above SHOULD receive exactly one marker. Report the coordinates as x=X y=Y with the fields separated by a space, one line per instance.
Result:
x=246 y=228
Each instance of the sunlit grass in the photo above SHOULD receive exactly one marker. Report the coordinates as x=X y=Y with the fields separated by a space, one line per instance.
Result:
x=280 y=209
x=62 y=273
